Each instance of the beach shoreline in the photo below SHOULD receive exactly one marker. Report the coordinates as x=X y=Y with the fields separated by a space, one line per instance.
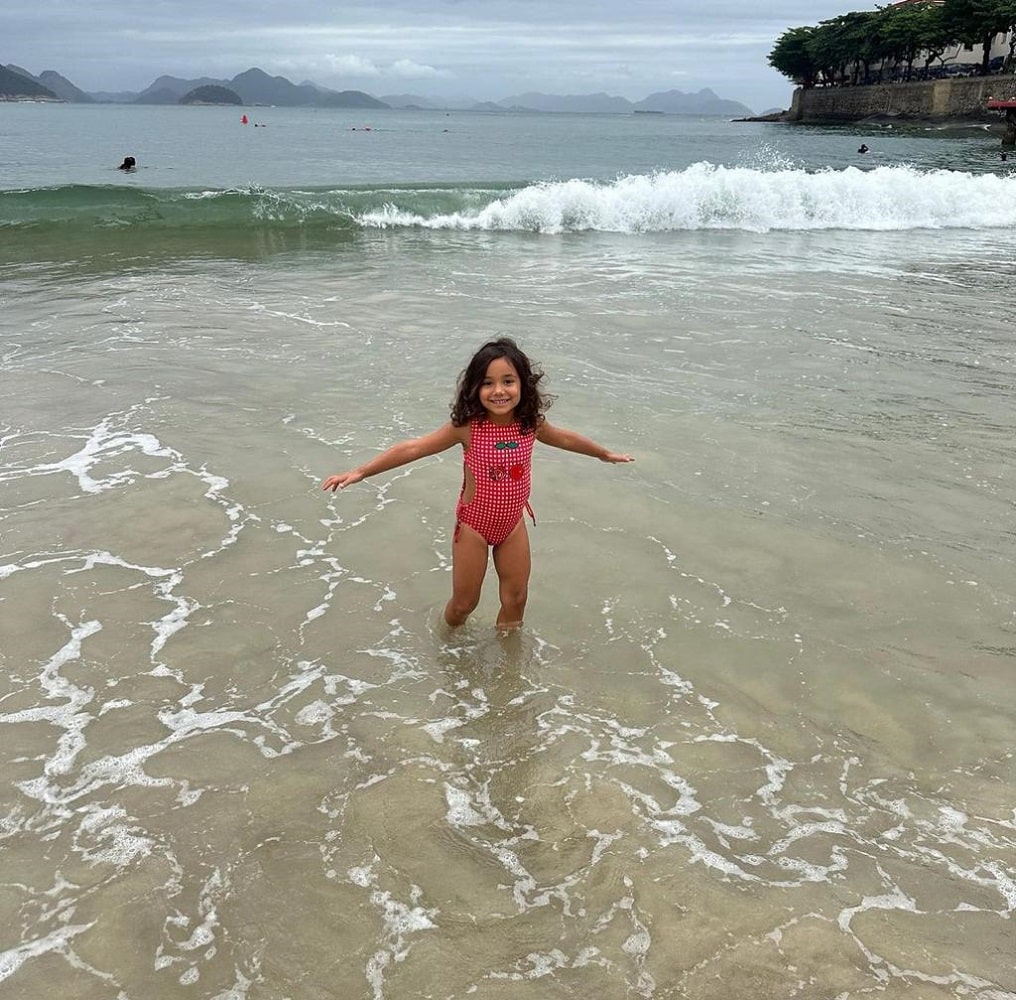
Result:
x=755 y=737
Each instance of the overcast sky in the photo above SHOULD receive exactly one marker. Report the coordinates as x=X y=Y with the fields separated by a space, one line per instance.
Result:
x=484 y=49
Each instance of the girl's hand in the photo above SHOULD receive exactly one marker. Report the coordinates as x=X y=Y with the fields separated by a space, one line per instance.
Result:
x=341 y=481
x=614 y=457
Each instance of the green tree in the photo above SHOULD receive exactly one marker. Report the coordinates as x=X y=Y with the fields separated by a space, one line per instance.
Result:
x=846 y=40
x=892 y=35
x=827 y=54
x=977 y=22
x=904 y=32
x=792 y=57
x=1007 y=13
x=937 y=34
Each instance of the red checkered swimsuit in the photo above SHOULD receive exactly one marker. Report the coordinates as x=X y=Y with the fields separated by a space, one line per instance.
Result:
x=499 y=459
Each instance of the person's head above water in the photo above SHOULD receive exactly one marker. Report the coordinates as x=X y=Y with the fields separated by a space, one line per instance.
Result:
x=129 y=163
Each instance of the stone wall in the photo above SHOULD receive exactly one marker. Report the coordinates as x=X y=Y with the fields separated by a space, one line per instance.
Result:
x=935 y=99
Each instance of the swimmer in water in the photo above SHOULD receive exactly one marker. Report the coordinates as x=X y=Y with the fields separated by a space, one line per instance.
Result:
x=129 y=163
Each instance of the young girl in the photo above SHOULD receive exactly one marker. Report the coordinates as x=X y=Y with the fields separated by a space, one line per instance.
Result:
x=496 y=417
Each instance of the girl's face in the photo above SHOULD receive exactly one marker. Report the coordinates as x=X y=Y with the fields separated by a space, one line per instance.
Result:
x=500 y=390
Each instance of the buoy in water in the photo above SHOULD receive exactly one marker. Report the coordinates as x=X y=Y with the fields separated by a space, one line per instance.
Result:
x=243 y=119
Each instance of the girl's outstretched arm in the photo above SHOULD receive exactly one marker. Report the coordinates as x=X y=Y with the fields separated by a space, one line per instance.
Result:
x=400 y=454
x=558 y=437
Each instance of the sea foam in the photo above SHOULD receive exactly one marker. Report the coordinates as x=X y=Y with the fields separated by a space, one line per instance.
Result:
x=761 y=197
x=705 y=196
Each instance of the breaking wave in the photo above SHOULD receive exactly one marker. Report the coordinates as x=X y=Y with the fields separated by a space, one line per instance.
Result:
x=701 y=197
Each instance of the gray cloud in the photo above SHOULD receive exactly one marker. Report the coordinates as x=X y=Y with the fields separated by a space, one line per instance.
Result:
x=455 y=47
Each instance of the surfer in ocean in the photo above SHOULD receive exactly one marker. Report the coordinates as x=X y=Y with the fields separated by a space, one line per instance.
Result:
x=129 y=163
x=497 y=416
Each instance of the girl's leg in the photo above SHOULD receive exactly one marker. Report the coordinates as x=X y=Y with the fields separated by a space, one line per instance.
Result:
x=513 y=564
x=469 y=564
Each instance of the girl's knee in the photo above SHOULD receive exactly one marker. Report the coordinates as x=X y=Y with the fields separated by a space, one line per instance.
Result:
x=461 y=606
x=514 y=595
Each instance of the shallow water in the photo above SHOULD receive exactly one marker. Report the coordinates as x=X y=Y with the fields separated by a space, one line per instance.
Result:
x=754 y=741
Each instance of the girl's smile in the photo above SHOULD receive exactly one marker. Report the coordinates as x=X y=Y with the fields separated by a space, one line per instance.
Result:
x=500 y=390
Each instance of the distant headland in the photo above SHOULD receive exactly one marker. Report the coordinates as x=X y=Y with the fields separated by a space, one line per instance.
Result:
x=254 y=88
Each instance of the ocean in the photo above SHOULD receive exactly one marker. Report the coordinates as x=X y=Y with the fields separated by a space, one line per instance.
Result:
x=755 y=739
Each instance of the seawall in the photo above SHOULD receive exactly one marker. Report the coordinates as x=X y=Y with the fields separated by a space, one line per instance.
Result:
x=932 y=100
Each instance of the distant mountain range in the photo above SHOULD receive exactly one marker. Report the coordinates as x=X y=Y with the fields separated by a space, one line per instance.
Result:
x=255 y=87
x=674 y=102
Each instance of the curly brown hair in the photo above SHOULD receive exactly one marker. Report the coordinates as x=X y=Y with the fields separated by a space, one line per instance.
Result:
x=532 y=401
